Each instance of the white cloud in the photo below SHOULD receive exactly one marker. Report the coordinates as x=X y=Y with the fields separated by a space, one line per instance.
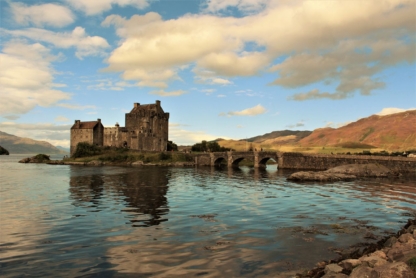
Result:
x=26 y=79
x=61 y=119
x=253 y=111
x=92 y=7
x=57 y=135
x=232 y=64
x=208 y=77
x=221 y=96
x=31 y=127
x=40 y=15
x=182 y=136
x=392 y=110
x=85 y=45
x=168 y=94
x=246 y=6
x=108 y=84
x=298 y=124
x=76 y=106
x=322 y=41
x=207 y=91
x=150 y=78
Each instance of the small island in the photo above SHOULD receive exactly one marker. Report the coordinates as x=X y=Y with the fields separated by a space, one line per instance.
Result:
x=3 y=151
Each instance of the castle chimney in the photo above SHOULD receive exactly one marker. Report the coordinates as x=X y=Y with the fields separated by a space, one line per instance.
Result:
x=136 y=104
x=99 y=120
x=158 y=103
x=77 y=123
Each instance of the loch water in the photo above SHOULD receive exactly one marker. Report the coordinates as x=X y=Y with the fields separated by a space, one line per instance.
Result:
x=108 y=221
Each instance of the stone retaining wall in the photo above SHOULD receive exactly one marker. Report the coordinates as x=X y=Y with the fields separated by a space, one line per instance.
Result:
x=323 y=162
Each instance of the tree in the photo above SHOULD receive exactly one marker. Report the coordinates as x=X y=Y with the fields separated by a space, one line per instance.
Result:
x=172 y=146
x=211 y=146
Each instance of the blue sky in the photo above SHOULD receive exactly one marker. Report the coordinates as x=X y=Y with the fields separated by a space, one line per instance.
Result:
x=222 y=68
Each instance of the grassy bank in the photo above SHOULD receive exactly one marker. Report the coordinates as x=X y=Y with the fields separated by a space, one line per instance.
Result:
x=122 y=155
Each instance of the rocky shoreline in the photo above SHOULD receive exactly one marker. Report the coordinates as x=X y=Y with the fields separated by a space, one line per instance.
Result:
x=45 y=159
x=345 y=172
x=393 y=256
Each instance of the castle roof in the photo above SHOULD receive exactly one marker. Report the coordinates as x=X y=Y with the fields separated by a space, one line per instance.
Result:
x=85 y=125
x=146 y=107
x=143 y=107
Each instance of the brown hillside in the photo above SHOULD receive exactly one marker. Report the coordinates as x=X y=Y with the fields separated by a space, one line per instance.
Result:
x=390 y=132
x=15 y=145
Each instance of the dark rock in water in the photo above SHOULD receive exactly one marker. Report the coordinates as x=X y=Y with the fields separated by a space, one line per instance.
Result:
x=40 y=158
x=3 y=151
x=344 y=172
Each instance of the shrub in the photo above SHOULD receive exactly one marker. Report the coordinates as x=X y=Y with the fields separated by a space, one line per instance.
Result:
x=165 y=156
x=42 y=157
x=412 y=263
x=85 y=149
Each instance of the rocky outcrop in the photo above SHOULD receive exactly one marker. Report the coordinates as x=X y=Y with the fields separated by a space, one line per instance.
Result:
x=362 y=170
x=3 y=151
x=344 y=172
x=319 y=176
x=40 y=158
x=390 y=257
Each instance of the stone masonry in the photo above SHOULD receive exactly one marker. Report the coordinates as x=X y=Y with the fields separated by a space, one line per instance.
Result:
x=146 y=129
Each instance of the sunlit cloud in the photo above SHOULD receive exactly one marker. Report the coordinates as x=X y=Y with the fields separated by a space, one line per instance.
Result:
x=76 y=106
x=40 y=15
x=253 y=111
x=246 y=6
x=163 y=93
x=61 y=119
x=182 y=136
x=314 y=42
x=26 y=79
x=298 y=124
x=392 y=110
x=84 y=44
x=52 y=133
x=92 y=7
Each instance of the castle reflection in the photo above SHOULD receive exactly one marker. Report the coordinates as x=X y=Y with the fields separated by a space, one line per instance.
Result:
x=139 y=192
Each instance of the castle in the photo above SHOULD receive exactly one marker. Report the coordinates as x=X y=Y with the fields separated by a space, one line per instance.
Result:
x=146 y=129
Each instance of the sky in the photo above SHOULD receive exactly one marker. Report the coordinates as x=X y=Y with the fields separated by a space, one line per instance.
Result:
x=229 y=69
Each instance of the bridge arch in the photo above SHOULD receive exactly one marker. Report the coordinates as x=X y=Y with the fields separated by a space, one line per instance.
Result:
x=220 y=161
x=263 y=161
x=236 y=161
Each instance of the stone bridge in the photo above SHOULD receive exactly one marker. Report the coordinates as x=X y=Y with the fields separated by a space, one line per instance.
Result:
x=299 y=161
x=232 y=159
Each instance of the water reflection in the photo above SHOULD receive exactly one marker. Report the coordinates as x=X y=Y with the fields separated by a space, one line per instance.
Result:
x=142 y=190
x=167 y=222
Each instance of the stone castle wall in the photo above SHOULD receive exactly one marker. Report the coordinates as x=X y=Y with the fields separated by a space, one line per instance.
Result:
x=147 y=129
x=80 y=135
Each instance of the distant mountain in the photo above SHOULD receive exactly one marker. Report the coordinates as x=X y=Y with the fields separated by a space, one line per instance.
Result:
x=391 y=132
x=16 y=145
x=63 y=149
x=280 y=137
